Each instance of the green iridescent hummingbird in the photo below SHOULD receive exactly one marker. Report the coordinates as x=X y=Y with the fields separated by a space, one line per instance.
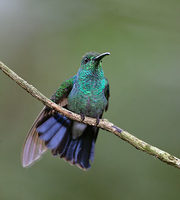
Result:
x=87 y=94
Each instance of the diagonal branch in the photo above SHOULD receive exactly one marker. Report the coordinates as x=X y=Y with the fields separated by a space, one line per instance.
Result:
x=103 y=124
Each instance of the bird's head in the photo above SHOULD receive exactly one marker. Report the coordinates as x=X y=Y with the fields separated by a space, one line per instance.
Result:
x=92 y=60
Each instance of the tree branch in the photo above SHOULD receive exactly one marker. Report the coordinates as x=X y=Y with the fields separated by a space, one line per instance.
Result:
x=104 y=123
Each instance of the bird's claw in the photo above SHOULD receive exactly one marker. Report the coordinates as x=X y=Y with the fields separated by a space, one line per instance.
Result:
x=97 y=121
x=82 y=117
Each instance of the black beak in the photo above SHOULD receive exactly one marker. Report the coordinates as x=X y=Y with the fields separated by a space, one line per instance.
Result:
x=99 y=57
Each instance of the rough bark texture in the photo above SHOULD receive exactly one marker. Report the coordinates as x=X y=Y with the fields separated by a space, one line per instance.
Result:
x=104 y=123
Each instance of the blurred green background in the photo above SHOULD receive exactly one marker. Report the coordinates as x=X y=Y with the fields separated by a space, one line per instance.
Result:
x=43 y=41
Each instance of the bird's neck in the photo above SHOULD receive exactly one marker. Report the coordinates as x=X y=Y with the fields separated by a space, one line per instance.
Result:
x=95 y=74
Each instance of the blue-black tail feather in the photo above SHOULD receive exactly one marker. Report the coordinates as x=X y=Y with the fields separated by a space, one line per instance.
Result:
x=56 y=131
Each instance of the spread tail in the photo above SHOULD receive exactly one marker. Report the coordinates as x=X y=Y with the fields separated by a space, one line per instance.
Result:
x=57 y=133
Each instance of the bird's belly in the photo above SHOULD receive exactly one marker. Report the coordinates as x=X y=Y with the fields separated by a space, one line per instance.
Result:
x=89 y=105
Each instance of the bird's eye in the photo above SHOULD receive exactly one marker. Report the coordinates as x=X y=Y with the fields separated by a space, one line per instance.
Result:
x=86 y=60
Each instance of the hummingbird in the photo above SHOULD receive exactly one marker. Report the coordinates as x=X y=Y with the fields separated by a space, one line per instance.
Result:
x=87 y=94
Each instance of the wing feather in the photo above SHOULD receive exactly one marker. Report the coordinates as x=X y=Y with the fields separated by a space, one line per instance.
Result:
x=107 y=93
x=33 y=147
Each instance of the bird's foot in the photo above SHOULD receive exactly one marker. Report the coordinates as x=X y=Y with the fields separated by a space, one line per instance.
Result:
x=97 y=121
x=82 y=117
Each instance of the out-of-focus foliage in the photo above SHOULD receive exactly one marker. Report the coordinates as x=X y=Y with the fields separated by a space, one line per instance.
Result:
x=43 y=41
